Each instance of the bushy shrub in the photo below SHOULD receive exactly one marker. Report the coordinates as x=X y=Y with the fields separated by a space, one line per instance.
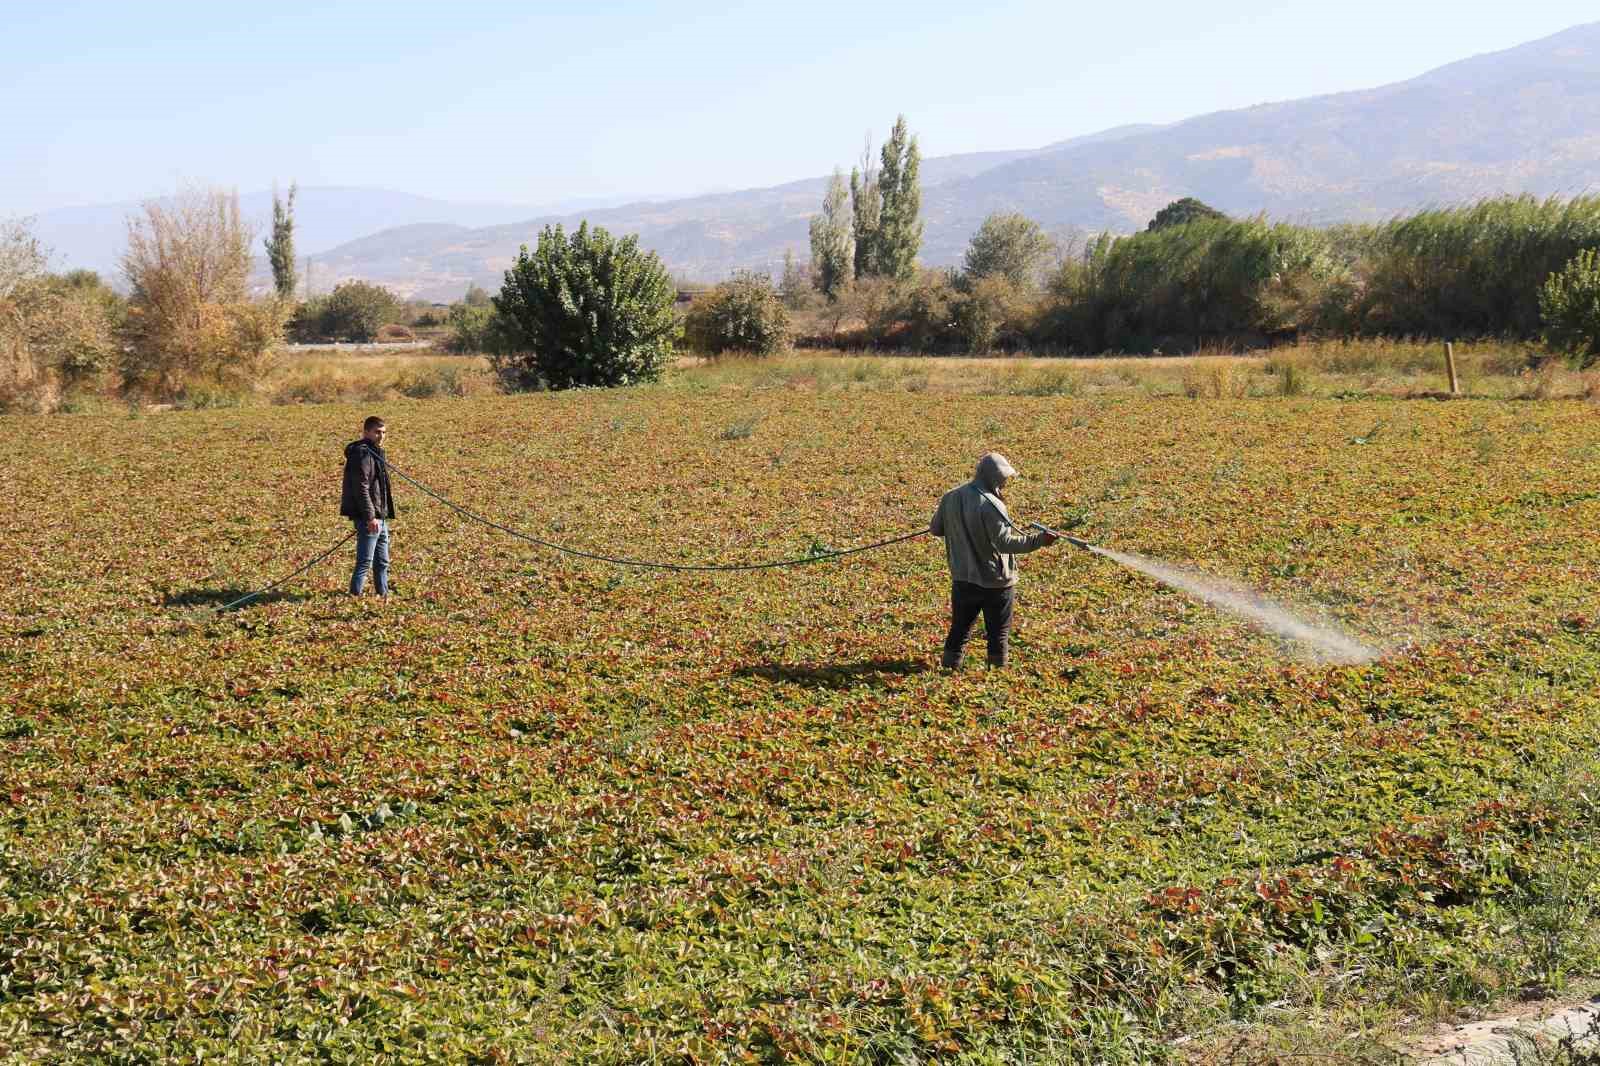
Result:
x=209 y=346
x=585 y=310
x=57 y=332
x=190 y=321
x=879 y=304
x=990 y=309
x=394 y=333
x=1569 y=305
x=928 y=310
x=356 y=310
x=304 y=325
x=743 y=314
x=26 y=381
x=52 y=340
x=1196 y=278
x=424 y=383
x=474 y=328
x=1008 y=244
x=89 y=313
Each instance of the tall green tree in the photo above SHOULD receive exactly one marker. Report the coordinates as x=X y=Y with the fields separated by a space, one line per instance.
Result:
x=866 y=211
x=586 y=310
x=1008 y=244
x=833 y=242
x=280 y=244
x=899 y=232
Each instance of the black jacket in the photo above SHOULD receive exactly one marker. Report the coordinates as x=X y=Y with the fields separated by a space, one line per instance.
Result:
x=366 y=492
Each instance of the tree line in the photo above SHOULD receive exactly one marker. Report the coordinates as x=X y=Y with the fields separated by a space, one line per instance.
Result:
x=587 y=308
x=188 y=327
x=1513 y=267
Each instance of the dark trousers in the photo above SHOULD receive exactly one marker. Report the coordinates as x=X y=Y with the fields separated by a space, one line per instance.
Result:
x=967 y=601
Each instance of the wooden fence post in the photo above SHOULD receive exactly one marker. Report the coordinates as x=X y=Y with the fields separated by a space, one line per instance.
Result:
x=1450 y=368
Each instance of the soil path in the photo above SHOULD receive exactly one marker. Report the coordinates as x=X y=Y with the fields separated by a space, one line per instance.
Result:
x=1491 y=1042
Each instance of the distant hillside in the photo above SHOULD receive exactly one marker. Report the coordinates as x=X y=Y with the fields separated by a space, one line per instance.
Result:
x=325 y=216
x=702 y=238
x=1523 y=120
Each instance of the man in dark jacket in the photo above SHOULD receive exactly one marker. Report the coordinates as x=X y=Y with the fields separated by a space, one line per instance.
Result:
x=980 y=543
x=369 y=502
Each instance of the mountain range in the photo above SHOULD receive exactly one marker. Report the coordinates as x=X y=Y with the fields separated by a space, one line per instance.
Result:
x=1522 y=120
x=92 y=237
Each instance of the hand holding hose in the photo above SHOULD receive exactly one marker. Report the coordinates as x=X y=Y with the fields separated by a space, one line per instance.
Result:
x=1052 y=536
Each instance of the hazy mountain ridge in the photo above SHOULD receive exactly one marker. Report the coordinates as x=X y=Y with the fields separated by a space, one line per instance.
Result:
x=326 y=216
x=700 y=238
x=1523 y=120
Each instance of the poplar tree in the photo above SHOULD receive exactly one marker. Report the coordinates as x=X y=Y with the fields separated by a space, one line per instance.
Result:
x=899 y=231
x=866 y=207
x=280 y=245
x=833 y=242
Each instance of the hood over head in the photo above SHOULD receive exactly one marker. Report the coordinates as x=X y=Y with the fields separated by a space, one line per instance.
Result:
x=993 y=470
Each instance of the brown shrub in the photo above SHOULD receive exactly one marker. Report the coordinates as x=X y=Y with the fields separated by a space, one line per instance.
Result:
x=190 y=319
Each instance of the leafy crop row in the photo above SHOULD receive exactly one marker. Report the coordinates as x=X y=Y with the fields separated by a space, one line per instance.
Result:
x=535 y=809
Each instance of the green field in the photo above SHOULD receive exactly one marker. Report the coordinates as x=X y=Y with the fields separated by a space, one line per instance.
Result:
x=540 y=809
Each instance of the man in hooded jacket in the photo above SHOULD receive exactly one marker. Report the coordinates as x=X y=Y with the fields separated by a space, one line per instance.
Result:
x=981 y=544
x=368 y=501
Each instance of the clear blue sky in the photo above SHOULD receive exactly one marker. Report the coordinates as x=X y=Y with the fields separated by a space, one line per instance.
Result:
x=536 y=102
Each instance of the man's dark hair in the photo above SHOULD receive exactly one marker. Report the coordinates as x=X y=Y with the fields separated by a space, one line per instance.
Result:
x=372 y=422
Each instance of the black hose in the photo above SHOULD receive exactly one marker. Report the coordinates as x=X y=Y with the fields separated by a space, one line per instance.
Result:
x=263 y=591
x=645 y=564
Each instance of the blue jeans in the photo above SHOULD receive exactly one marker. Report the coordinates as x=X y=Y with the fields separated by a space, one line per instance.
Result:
x=372 y=553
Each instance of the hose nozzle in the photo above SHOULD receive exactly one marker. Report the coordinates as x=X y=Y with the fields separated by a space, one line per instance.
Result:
x=1076 y=542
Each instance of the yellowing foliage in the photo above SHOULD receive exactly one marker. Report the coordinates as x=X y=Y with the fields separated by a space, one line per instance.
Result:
x=535 y=809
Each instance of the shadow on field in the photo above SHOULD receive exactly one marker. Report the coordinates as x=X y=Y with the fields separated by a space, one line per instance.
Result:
x=218 y=597
x=872 y=672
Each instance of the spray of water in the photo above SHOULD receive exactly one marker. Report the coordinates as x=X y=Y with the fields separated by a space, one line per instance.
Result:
x=1327 y=644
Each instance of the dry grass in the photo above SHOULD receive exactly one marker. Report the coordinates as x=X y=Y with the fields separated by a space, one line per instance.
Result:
x=1340 y=369
x=333 y=377
x=1008 y=376
x=1334 y=369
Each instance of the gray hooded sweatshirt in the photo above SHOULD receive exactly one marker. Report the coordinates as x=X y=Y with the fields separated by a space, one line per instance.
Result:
x=979 y=539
